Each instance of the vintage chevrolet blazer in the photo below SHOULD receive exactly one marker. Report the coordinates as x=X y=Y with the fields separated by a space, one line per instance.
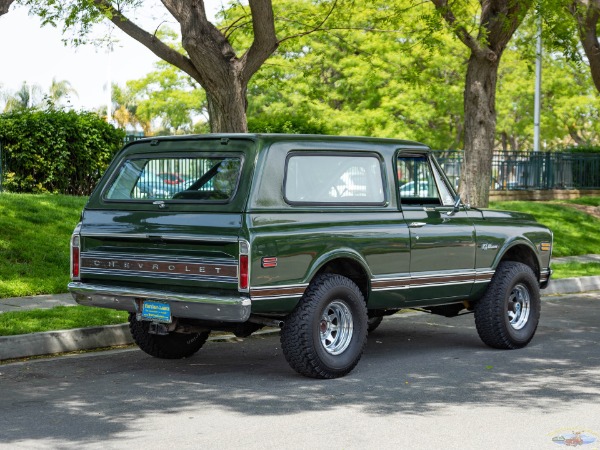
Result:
x=319 y=235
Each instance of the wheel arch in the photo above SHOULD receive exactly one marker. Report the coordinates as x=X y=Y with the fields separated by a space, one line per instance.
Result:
x=348 y=264
x=523 y=252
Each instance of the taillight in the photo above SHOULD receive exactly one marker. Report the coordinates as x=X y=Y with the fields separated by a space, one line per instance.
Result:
x=244 y=267
x=243 y=272
x=75 y=256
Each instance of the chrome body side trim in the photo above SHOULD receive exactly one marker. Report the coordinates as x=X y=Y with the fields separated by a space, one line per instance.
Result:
x=207 y=307
x=278 y=292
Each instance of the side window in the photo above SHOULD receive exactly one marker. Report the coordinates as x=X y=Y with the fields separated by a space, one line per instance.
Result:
x=334 y=179
x=419 y=183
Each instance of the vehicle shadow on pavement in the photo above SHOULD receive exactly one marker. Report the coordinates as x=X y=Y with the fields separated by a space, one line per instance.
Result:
x=418 y=364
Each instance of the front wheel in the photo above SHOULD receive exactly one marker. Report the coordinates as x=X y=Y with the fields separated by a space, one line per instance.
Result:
x=508 y=314
x=325 y=335
x=171 y=346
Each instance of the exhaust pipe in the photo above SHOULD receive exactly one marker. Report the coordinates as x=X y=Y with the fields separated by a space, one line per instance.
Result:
x=266 y=321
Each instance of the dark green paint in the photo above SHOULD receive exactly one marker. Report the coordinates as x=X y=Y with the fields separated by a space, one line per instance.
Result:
x=378 y=241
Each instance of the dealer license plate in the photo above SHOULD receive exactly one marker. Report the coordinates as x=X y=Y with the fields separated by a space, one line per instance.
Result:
x=156 y=311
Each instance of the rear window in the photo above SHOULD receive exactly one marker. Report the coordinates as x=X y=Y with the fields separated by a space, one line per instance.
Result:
x=334 y=179
x=210 y=179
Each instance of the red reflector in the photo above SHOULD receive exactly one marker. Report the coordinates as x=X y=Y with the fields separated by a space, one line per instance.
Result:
x=75 y=257
x=269 y=262
x=243 y=271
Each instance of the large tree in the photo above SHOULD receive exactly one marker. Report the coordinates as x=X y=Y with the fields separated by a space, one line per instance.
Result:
x=497 y=20
x=209 y=57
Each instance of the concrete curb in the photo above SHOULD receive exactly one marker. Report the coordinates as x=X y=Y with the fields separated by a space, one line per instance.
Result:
x=51 y=342
x=573 y=285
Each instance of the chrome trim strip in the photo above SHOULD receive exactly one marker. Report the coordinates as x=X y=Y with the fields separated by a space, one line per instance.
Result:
x=421 y=281
x=170 y=276
x=273 y=292
x=229 y=308
x=168 y=237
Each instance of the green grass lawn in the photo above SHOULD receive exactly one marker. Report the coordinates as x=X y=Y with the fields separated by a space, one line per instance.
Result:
x=34 y=254
x=575 y=269
x=575 y=233
x=58 y=318
x=588 y=201
x=34 y=242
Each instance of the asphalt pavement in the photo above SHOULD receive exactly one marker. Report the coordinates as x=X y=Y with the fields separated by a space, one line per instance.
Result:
x=424 y=382
x=62 y=341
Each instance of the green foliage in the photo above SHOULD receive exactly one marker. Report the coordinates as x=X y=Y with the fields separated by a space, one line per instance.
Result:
x=34 y=243
x=56 y=151
x=165 y=97
x=290 y=124
x=58 y=318
x=362 y=73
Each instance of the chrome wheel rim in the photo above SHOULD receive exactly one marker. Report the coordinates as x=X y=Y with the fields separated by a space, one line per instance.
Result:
x=519 y=306
x=336 y=327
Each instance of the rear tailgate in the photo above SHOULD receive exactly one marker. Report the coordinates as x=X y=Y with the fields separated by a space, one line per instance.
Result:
x=173 y=251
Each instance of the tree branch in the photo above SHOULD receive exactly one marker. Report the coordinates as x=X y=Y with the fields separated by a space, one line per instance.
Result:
x=150 y=41
x=317 y=28
x=481 y=51
x=265 y=39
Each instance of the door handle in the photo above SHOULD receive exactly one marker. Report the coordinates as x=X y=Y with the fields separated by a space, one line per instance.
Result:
x=417 y=224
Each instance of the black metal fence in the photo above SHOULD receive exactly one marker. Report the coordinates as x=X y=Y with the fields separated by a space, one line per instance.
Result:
x=510 y=170
x=533 y=170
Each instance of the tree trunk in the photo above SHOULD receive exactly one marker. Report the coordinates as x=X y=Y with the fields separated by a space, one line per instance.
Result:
x=4 y=5
x=227 y=109
x=480 y=127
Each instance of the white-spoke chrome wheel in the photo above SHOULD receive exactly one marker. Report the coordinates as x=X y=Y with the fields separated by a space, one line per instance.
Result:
x=336 y=327
x=519 y=306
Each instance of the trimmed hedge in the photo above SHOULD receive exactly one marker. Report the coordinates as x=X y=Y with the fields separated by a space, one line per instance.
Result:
x=56 y=151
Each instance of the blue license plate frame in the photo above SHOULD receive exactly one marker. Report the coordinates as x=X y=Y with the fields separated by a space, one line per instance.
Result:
x=156 y=311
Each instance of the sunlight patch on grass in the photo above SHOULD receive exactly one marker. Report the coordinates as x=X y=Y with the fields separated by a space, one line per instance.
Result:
x=575 y=233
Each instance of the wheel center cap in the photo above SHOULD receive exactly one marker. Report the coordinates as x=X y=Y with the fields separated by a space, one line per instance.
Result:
x=324 y=326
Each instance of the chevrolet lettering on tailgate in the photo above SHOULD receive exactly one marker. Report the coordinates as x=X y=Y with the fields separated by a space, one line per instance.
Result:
x=320 y=236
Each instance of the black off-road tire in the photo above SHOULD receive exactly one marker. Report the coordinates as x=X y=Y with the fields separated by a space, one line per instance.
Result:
x=508 y=314
x=171 y=346
x=373 y=323
x=310 y=341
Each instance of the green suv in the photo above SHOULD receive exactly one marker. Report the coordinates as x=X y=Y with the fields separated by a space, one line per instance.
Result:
x=321 y=236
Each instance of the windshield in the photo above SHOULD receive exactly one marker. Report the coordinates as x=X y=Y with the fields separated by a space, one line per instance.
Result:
x=210 y=178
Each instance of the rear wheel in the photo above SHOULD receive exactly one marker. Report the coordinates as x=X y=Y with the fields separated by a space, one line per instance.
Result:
x=325 y=335
x=170 y=346
x=508 y=314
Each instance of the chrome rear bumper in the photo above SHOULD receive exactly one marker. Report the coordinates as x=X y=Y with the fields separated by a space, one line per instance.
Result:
x=205 y=307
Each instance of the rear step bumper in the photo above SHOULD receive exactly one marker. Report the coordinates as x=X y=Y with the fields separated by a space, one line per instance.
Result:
x=206 y=307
